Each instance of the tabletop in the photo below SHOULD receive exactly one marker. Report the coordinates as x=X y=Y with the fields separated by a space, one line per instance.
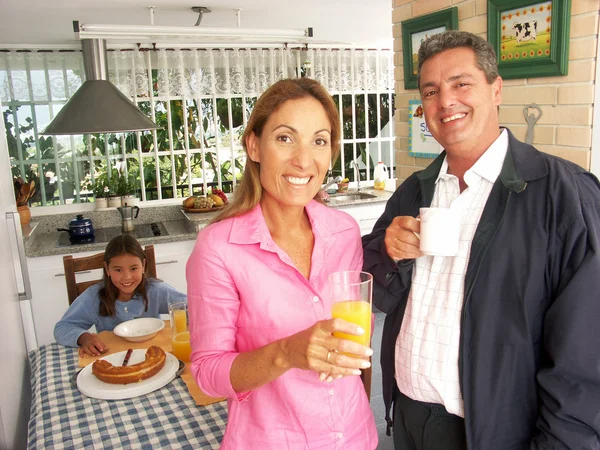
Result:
x=62 y=417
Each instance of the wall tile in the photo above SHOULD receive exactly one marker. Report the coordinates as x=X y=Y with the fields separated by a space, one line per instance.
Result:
x=401 y=13
x=585 y=25
x=515 y=95
x=543 y=135
x=576 y=136
x=515 y=82
x=578 y=71
x=582 y=48
x=398 y=73
x=402 y=99
x=407 y=171
x=475 y=25
x=552 y=115
x=422 y=7
x=466 y=10
x=579 y=157
x=405 y=159
x=401 y=128
x=481 y=7
x=578 y=94
x=584 y=6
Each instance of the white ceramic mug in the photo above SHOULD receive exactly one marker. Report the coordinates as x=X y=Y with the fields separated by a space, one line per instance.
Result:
x=440 y=231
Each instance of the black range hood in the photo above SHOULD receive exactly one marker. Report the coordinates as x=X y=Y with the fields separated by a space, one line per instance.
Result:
x=98 y=106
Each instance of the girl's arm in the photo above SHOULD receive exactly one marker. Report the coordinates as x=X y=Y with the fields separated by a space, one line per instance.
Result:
x=78 y=319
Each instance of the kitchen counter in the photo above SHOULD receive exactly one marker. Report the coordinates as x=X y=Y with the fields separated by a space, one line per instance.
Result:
x=41 y=237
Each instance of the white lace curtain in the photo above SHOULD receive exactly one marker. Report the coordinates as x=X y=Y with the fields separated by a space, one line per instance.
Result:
x=200 y=72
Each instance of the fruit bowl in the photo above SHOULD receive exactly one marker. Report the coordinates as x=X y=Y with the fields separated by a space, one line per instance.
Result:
x=139 y=330
x=203 y=210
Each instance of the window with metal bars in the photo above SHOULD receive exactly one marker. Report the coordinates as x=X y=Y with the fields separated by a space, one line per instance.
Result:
x=201 y=98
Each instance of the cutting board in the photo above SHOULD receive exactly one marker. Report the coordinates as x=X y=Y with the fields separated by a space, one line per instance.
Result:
x=117 y=344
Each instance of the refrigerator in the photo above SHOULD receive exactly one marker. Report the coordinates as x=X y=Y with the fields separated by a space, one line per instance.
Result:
x=15 y=314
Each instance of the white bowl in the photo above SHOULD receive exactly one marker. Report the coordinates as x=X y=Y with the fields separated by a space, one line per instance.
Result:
x=139 y=330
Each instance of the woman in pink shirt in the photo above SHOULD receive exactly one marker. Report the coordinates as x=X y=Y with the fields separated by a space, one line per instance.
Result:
x=258 y=295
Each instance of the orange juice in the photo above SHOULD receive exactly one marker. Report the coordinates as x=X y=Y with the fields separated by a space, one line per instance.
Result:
x=181 y=347
x=357 y=312
x=180 y=319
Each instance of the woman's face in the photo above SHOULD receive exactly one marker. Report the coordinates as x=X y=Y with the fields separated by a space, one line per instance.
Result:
x=294 y=152
x=126 y=273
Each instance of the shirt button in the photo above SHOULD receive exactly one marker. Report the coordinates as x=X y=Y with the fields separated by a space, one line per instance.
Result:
x=340 y=435
x=125 y=309
x=316 y=299
x=331 y=392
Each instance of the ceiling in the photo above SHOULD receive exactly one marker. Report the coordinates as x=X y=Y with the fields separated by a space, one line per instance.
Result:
x=49 y=22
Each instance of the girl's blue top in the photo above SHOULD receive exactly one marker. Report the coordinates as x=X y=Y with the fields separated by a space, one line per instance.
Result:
x=84 y=311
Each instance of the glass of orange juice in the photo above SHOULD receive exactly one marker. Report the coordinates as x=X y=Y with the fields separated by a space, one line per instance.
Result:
x=180 y=340
x=352 y=295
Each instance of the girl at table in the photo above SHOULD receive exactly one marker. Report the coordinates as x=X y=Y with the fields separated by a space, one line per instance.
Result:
x=124 y=293
x=259 y=302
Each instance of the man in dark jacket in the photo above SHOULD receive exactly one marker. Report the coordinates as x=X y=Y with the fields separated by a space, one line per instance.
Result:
x=498 y=347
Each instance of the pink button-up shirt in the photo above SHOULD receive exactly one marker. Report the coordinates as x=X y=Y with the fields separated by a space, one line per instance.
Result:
x=244 y=292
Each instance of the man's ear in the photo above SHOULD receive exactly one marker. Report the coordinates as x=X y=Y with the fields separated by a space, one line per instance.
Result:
x=252 y=147
x=497 y=89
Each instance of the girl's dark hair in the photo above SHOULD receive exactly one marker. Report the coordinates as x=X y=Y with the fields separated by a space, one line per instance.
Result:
x=121 y=245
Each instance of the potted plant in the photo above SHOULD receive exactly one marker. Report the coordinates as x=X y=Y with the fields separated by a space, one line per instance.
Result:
x=127 y=189
x=114 y=199
x=100 y=190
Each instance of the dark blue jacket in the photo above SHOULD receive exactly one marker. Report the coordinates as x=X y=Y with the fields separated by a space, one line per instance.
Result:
x=529 y=359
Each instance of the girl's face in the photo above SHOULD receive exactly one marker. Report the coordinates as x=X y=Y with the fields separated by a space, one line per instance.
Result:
x=126 y=273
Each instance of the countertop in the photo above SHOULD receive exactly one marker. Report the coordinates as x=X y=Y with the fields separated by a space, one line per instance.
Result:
x=41 y=237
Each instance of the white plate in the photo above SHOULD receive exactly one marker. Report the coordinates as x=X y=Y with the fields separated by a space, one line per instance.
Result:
x=89 y=385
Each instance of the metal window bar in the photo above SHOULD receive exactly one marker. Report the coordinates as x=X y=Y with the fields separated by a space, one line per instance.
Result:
x=254 y=65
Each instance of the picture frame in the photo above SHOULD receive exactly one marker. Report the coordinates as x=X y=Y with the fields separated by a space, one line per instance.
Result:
x=421 y=143
x=415 y=30
x=524 y=48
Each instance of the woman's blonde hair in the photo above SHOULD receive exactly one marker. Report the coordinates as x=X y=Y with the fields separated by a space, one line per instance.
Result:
x=249 y=191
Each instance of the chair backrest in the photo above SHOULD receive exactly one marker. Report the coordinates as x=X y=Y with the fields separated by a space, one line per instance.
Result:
x=87 y=263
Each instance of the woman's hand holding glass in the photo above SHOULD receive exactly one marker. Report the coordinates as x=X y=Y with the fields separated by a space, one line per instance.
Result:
x=317 y=349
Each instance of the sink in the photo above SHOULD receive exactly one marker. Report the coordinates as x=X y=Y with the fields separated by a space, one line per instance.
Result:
x=344 y=198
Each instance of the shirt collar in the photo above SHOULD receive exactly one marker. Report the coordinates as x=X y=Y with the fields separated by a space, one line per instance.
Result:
x=251 y=228
x=489 y=165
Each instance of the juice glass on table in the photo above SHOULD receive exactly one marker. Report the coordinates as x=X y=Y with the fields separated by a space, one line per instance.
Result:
x=180 y=340
x=352 y=294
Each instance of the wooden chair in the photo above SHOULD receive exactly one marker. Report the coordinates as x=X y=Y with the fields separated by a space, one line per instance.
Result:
x=87 y=263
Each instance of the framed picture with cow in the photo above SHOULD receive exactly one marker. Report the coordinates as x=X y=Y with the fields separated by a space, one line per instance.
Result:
x=531 y=37
x=415 y=31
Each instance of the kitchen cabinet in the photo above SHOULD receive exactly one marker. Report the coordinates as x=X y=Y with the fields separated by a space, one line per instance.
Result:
x=171 y=259
x=49 y=299
x=365 y=214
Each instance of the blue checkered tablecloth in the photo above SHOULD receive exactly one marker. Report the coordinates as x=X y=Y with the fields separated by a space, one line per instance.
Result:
x=62 y=417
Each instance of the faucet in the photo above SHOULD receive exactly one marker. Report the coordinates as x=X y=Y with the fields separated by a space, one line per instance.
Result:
x=331 y=181
x=354 y=164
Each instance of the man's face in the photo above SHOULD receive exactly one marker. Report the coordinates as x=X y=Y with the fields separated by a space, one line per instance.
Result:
x=459 y=105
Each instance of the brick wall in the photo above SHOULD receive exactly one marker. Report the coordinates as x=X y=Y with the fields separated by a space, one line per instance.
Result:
x=567 y=102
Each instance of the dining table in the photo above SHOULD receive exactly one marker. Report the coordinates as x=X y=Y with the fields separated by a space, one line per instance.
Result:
x=175 y=416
